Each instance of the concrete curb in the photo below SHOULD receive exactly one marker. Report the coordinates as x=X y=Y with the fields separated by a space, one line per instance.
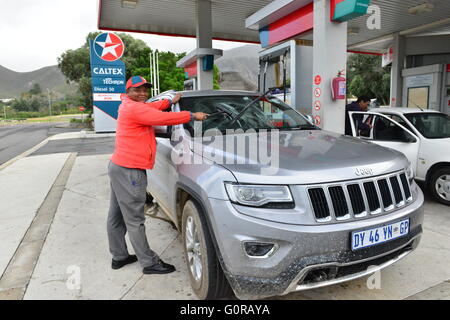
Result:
x=15 y=279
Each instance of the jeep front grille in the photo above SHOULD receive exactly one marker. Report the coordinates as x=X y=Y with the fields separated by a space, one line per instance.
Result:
x=319 y=202
x=396 y=188
x=357 y=199
x=372 y=196
x=339 y=202
x=385 y=193
x=405 y=186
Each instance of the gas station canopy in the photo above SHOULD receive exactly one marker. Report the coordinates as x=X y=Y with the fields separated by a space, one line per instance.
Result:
x=412 y=35
x=237 y=20
x=178 y=17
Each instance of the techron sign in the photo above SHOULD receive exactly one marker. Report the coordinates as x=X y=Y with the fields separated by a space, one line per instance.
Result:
x=345 y=10
x=108 y=79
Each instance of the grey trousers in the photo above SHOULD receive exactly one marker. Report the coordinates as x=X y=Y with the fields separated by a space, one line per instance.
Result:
x=126 y=214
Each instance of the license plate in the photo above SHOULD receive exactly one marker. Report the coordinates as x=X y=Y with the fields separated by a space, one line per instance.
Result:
x=375 y=236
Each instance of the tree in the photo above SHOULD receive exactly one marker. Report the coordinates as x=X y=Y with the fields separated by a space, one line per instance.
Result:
x=170 y=77
x=75 y=65
x=366 y=76
x=35 y=89
x=216 y=78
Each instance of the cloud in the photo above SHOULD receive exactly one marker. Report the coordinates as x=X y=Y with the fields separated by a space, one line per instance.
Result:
x=35 y=32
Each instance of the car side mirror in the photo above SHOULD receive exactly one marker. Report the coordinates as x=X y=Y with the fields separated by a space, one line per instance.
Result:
x=162 y=131
x=409 y=138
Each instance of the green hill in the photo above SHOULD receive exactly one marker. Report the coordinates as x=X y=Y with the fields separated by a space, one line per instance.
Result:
x=13 y=83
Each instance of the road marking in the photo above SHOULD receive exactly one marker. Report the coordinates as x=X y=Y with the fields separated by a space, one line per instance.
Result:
x=24 y=154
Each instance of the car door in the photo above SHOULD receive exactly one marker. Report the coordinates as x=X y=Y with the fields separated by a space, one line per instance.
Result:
x=387 y=133
x=422 y=165
x=161 y=177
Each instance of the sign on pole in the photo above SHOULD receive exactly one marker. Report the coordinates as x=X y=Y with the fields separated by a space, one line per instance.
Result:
x=108 y=79
x=345 y=10
x=388 y=57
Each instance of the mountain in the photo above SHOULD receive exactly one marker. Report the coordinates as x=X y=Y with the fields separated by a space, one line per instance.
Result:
x=239 y=68
x=13 y=83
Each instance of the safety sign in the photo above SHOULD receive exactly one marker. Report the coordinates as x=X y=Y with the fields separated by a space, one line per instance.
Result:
x=317 y=105
x=317 y=80
x=317 y=92
x=317 y=119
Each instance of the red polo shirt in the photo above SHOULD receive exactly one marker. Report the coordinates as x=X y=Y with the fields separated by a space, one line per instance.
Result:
x=135 y=137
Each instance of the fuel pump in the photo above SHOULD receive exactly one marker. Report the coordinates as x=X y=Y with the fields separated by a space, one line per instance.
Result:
x=284 y=74
x=266 y=61
x=190 y=84
x=265 y=74
x=275 y=86
x=286 y=69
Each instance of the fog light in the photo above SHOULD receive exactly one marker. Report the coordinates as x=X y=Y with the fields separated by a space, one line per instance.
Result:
x=258 y=249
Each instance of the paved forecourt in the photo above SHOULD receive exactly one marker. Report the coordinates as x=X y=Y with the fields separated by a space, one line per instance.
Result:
x=24 y=185
x=75 y=262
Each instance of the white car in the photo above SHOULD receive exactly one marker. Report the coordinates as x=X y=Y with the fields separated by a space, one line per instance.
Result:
x=422 y=135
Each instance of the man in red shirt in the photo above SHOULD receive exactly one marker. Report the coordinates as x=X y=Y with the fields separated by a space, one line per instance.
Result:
x=134 y=152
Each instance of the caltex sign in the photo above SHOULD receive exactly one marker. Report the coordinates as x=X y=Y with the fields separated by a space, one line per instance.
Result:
x=108 y=79
x=108 y=47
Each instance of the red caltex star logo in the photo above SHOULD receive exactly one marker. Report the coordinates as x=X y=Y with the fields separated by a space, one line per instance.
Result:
x=108 y=46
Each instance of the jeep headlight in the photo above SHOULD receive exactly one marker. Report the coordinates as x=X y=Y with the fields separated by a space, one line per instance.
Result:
x=260 y=195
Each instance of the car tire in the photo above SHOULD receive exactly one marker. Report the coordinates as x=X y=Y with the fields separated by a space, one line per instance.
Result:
x=205 y=272
x=439 y=185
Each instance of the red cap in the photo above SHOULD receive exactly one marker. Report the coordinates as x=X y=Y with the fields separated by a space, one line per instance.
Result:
x=137 y=81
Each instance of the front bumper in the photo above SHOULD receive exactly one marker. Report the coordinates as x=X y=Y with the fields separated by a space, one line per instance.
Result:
x=306 y=256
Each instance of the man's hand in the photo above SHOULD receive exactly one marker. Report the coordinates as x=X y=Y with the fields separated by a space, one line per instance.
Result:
x=200 y=116
x=176 y=98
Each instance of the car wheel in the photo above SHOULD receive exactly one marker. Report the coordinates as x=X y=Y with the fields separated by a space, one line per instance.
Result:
x=206 y=275
x=439 y=185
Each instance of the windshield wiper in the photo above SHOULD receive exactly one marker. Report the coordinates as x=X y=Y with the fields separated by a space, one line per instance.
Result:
x=219 y=112
x=307 y=127
x=223 y=110
x=301 y=127
x=238 y=116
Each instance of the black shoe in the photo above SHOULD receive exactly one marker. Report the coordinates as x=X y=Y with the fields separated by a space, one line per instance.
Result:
x=117 y=264
x=160 y=268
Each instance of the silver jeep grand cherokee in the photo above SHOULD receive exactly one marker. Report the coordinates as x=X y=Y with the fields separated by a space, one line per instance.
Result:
x=326 y=209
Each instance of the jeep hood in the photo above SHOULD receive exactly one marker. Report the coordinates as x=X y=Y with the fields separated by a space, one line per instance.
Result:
x=304 y=157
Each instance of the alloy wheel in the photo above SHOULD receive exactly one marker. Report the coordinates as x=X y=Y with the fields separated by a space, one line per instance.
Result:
x=193 y=249
x=443 y=187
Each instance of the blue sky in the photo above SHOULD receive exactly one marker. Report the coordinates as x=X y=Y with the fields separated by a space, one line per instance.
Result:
x=35 y=32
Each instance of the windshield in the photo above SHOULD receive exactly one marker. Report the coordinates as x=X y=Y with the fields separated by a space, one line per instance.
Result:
x=431 y=125
x=266 y=113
